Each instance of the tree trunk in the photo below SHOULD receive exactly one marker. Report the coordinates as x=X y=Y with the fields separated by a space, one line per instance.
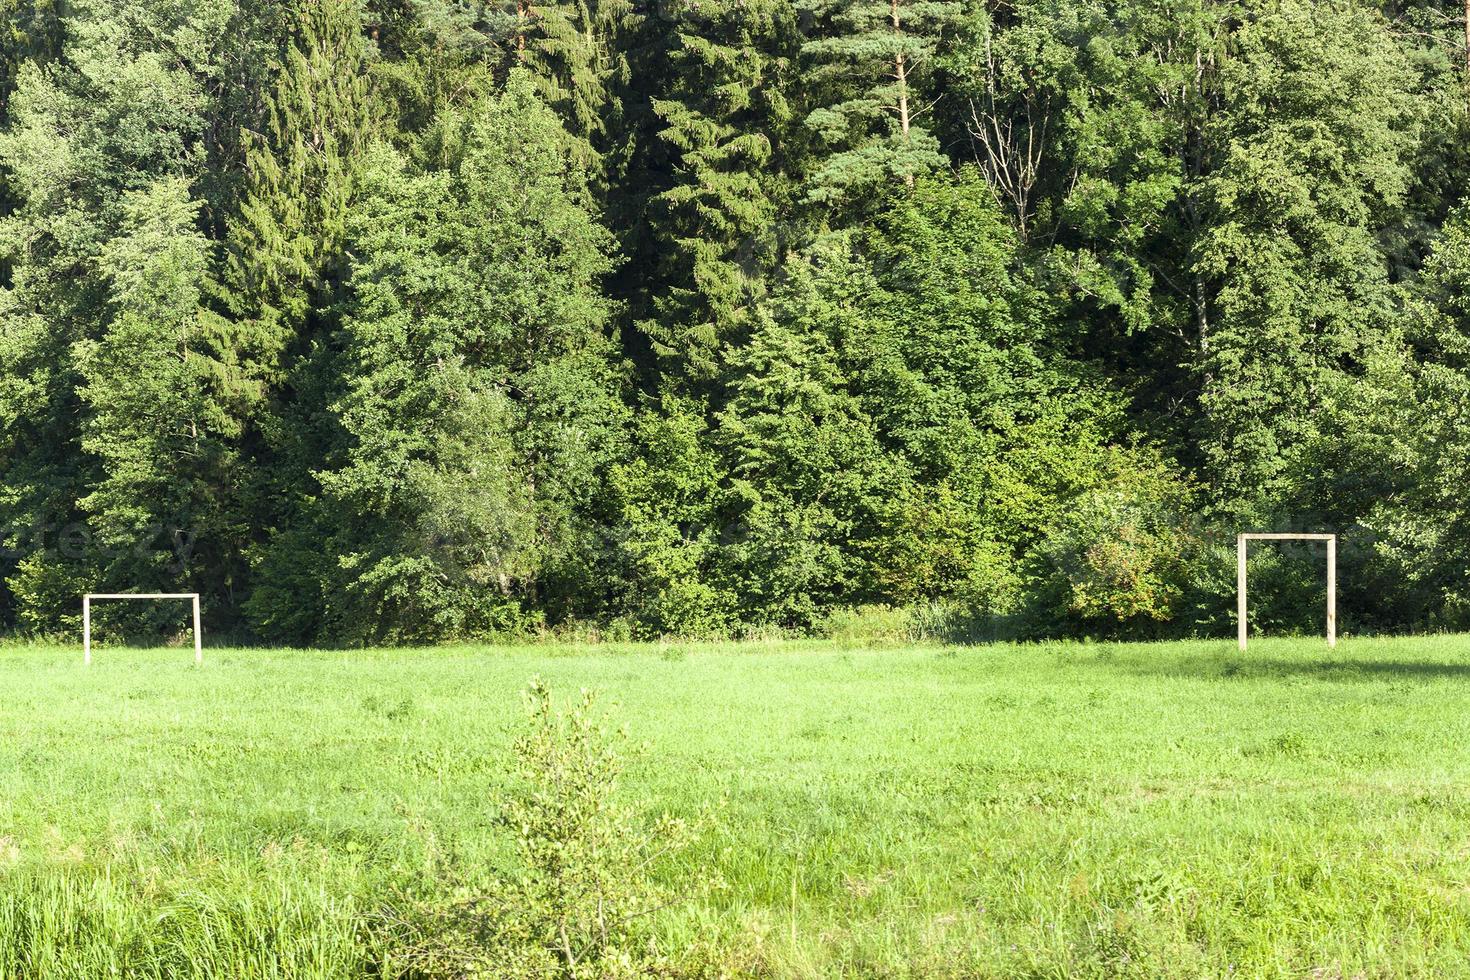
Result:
x=902 y=75
x=1202 y=316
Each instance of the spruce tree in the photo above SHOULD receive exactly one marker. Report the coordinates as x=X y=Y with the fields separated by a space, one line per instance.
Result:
x=669 y=500
x=575 y=50
x=724 y=120
x=284 y=267
x=284 y=253
x=808 y=474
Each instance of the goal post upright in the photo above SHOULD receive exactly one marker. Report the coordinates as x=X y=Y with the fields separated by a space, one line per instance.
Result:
x=1331 y=593
x=193 y=598
x=1242 y=548
x=1241 y=584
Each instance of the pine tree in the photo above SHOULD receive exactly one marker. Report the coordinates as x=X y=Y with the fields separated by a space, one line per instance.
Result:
x=870 y=58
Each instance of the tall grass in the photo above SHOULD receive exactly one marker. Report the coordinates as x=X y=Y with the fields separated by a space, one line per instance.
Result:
x=86 y=924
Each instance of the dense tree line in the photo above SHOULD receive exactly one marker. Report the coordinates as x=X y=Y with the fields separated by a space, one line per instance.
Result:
x=411 y=320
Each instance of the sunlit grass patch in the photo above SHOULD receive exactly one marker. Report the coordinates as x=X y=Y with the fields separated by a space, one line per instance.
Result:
x=1153 y=810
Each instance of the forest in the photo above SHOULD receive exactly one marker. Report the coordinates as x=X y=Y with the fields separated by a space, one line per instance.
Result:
x=413 y=321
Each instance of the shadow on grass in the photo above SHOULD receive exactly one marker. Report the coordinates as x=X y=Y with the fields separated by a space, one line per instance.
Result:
x=1249 y=668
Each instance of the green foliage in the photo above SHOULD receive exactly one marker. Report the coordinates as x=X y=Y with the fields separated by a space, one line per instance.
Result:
x=287 y=236
x=1305 y=180
x=869 y=60
x=44 y=587
x=32 y=33
x=164 y=410
x=480 y=403
x=960 y=341
x=1123 y=553
x=1408 y=418
x=92 y=135
x=415 y=320
x=934 y=545
x=806 y=470
x=724 y=120
x=576 y=52
x=669 y=533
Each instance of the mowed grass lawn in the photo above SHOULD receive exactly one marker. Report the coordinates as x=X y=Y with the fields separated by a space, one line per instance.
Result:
x=1051 y=810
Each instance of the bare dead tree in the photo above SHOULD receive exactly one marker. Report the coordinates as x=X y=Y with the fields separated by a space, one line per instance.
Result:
x=1011 y=141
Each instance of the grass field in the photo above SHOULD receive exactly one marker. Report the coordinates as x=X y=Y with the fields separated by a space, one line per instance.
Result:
x=1160 y=810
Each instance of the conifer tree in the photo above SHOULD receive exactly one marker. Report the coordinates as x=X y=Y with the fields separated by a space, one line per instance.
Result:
x=724 y=120
x=669 y=500
x=323 y=294
x=478 y=400
x=575 y=50
x=284 y=253
x=869 y=59
x=284 y=265
x=808 y=475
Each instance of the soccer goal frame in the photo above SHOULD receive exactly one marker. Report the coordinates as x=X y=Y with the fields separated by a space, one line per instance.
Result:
x=90 y=597
x=1242 y=548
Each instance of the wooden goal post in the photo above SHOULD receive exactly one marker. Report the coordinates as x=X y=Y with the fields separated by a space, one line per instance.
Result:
x=87 y=617
x=1242 y=545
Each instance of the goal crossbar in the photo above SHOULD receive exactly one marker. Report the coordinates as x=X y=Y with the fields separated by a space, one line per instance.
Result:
x=1242 y=548
x=87 y=617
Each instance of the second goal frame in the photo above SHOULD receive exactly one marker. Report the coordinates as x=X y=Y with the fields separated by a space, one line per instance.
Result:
x=87 y=617
x=1242 y=547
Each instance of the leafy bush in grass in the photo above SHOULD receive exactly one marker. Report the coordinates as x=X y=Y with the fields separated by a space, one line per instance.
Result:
x=1122 y=555
x=582 y=896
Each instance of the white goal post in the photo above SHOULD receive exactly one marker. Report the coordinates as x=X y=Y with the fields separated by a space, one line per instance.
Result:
x=87 y=617
x=1242 y=545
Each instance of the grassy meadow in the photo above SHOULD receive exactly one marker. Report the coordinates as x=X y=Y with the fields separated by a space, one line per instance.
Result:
x=1008 y=811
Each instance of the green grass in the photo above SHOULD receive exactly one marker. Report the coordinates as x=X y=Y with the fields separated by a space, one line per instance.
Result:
x=1150 y=810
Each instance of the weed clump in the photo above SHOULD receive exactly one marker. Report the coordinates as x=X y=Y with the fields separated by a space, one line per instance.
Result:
x=579 y=902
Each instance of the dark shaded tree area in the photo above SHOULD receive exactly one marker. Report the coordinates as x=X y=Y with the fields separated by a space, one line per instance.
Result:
x=416 y=320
